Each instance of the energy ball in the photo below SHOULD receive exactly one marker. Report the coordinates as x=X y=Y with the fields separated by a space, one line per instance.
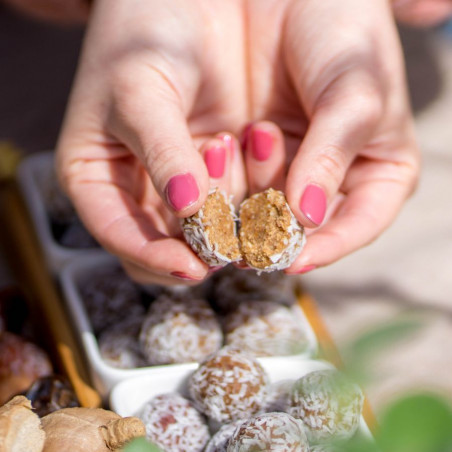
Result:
x=229 y=386
x=178 y=330
x=322 y=448
x=278 y=432
x=119 y=345
x=211 y=232
x=108 y=296
x=219 y=442
x=174 y=425
x=264 y=328
x=270 y=236
x=328 y=404
x=232 y=286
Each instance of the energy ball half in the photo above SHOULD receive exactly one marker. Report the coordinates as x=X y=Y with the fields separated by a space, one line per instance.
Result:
x=212 y=233
x=270 y=236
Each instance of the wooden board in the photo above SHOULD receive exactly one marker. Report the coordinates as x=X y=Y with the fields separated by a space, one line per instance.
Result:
x=26 y=260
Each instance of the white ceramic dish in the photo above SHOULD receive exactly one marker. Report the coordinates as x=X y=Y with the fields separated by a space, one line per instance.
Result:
x=104 y=375
x=129 y=397
x=31 y=172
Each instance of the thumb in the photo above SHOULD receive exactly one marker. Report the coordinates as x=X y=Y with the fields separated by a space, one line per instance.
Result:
x=150 y=120
x=341 y=124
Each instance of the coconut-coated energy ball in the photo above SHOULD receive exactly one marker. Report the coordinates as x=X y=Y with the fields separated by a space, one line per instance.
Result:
x=180 y=330
x=328 y=404
x=278 y=396
x=277 y=432
x=229 y=386
x=174 y=424
x=119 y=345
x=265 y=328
x=219 y=442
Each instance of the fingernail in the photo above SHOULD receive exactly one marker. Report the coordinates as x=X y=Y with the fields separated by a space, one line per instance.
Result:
x=245 y=135
x=182 y=275
x=261 y=144
x=182 y=191
x=313 y=203
x=306 y=269
x=228 y=141
x=215 y=160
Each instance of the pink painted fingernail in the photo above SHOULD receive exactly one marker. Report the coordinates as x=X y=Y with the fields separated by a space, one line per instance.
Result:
x=182 y=275
x=228 y=141
x=261 y=144
x=313 y=203
x=215 y=158
x=306 y=269
x=182 y=191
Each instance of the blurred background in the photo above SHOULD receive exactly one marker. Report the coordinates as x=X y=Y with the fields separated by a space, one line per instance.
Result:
x=409 y=268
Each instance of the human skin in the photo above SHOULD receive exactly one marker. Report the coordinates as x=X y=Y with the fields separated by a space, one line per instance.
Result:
x=158 y=80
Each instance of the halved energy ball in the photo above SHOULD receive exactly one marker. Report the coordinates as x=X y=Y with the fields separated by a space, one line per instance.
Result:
x=270 y=236
x=212 y=233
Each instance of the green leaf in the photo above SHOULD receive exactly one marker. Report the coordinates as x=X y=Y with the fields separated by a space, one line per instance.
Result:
x=418 y=423
x=141 y=445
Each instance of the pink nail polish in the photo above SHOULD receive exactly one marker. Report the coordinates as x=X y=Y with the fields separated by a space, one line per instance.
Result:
x=306 y=269
x=215 y=160
x=228 y=141
x=182 y=275
x=182 y=191
x=313 y=203
x=261 y=144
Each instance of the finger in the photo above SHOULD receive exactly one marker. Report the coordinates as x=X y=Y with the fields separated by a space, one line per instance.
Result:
x=217 y=157
x=366 y=211
x=152 y=123
x=341 y=125
x=238 y=186
x=265 y=157
x=143 y=276
x=123 y=227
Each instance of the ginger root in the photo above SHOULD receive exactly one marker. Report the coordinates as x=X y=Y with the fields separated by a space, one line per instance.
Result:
x=20 y=428
x=89 y=430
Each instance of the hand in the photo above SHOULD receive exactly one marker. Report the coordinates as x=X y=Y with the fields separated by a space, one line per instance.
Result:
x=422 y=12
x=330 y=77
x=156 y=81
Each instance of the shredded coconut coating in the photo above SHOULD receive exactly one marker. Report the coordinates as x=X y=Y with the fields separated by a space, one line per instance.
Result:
x=119 y=346
x=219 y=442
x=199 y=231
x=254 y=240
x=322 y=448
x=329 y=405
x=278 y=398
x=109 y=296
x=174 y=424
x=264 y=328
x=232 y=286
x=229 y=386
x=278 y=432
x=180 y=330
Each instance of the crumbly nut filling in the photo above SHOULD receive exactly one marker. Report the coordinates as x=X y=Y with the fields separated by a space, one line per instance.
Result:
x=265 y=220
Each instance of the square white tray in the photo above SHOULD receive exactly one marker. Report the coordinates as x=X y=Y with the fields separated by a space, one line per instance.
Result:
x=31 y=172
x=104 y=375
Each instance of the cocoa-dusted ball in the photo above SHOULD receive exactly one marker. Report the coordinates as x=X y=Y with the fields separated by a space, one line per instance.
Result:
x=108 y=296
x=328 y=404
x=277 y=432
x=232 y=286
x=180 y=330
x=174 y=424
x=211 y=232
x=119 y=345
x=264 y=328
x=219 y=442
x=229 y=386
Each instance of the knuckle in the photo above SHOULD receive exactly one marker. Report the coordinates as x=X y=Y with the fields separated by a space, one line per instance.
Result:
x=367 y=106
x=332 y=163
